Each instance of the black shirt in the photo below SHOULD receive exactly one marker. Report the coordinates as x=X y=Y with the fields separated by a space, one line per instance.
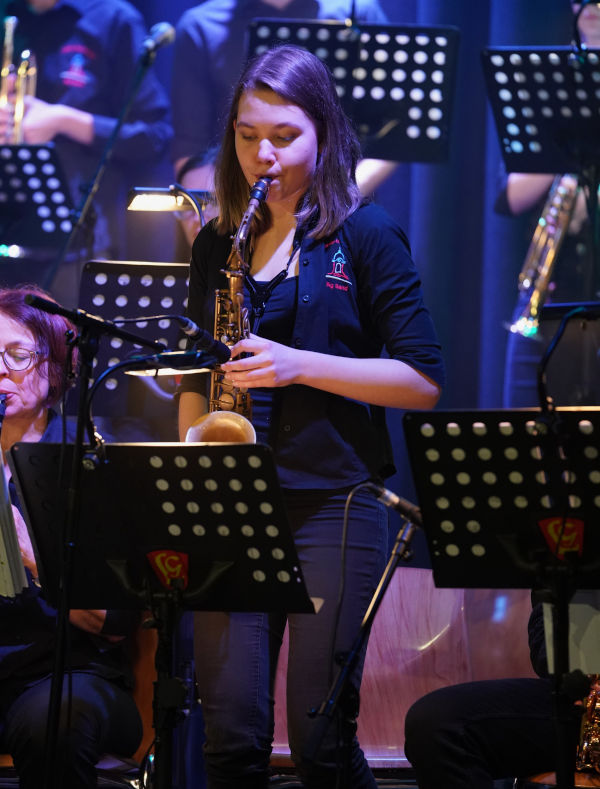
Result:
x=358 y=293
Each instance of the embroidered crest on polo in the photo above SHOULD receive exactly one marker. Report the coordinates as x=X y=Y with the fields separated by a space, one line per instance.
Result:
x=76 y=74
x=337 y=276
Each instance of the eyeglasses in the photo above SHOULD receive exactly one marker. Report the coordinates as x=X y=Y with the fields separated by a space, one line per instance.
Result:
x=18 y=359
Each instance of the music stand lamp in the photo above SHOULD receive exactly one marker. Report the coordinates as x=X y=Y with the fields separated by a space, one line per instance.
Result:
x=175 y=198
x=396 y=82
x=544 y=102
x=511 y=499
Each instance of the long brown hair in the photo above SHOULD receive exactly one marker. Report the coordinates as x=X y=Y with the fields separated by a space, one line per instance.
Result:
x=300 y=78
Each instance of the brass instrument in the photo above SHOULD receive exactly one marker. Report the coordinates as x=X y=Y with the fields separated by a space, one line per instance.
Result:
x=588 y=750
x=538 y=267
x=16 y=82
x=230 y=408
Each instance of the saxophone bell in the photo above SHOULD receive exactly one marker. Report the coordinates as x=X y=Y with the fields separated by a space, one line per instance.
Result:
x=221 y=427
x=588 y=749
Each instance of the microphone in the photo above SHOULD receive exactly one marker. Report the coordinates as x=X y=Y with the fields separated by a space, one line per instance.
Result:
x=406 y=508
x=173 y=361
x=204 y=339
x=161 y=35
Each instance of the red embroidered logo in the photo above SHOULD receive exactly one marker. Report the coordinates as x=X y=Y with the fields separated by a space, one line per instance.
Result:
x=169 y=565
x=337 y=278
x=563 y=535
x=76 y=75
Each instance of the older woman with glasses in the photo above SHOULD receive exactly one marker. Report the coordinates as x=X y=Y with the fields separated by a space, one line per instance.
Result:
x=103 y=715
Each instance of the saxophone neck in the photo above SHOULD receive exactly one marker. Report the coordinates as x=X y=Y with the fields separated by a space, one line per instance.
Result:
x=258 y=194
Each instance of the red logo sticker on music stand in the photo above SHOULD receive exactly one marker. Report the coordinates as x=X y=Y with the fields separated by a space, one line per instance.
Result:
x=568 y=530
x=169 y=565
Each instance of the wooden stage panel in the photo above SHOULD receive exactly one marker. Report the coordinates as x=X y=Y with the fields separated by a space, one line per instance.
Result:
x=425 y=638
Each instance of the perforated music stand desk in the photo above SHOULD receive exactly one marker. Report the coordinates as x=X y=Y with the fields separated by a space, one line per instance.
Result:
x=211 y=515
x=512 y=500
x=495 y=492
x=126 y=289
x=396 y=82
x=35 y=201
x=545 y=108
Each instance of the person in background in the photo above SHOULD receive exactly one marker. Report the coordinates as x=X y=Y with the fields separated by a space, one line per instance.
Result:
x=210 y=50
x=87 y=53
x=331 y=284
x=469 y=735
x=572 y=280
x=103 y=714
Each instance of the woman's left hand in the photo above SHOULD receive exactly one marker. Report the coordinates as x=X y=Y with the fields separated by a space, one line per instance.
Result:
x=271 y=364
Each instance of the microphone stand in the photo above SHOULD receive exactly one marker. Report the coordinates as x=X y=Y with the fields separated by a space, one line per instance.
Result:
x=91 y=330
x=80 y=214
x=341 y=694
x=567 y=686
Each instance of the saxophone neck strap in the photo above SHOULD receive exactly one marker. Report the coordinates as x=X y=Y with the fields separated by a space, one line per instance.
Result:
x=260 y=292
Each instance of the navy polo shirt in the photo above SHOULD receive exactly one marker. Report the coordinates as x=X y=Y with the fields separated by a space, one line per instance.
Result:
x=87 y=52
x=358 y=294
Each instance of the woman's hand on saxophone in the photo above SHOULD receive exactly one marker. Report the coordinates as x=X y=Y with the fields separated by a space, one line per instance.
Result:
x=270 y=364
x=386 y=382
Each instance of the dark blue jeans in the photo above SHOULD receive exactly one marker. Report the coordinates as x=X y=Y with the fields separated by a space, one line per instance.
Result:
x=236 y=654
x=104 y=719
x=466 y=736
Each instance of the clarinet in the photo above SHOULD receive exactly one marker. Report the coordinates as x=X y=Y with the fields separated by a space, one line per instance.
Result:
x=2 y=408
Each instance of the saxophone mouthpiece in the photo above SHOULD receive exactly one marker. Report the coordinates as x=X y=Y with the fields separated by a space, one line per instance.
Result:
x=260 y=189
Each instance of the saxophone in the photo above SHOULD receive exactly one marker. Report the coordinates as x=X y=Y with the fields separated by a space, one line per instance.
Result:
x=549 y=234
x=230 y=408
x=588 y=750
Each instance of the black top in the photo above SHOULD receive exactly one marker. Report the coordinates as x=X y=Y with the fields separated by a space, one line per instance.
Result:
x=358 y=294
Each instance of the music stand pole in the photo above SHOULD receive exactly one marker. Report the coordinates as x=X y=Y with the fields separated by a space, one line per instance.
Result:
x=224 y=539
x=341 y=695
x=510 y=501
x=87 y=342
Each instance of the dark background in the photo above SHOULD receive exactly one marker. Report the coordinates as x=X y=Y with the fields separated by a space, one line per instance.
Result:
x=469 y=257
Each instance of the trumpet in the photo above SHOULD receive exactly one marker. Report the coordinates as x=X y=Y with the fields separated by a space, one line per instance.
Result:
x=534 y=279
x=16 y=82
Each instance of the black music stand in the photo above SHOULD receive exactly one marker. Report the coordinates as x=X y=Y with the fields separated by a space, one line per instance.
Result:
x=35 y=202
x=134 y=408
x=511 y=499
x=396 y=82
x=544 y=101
x=168 y=527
